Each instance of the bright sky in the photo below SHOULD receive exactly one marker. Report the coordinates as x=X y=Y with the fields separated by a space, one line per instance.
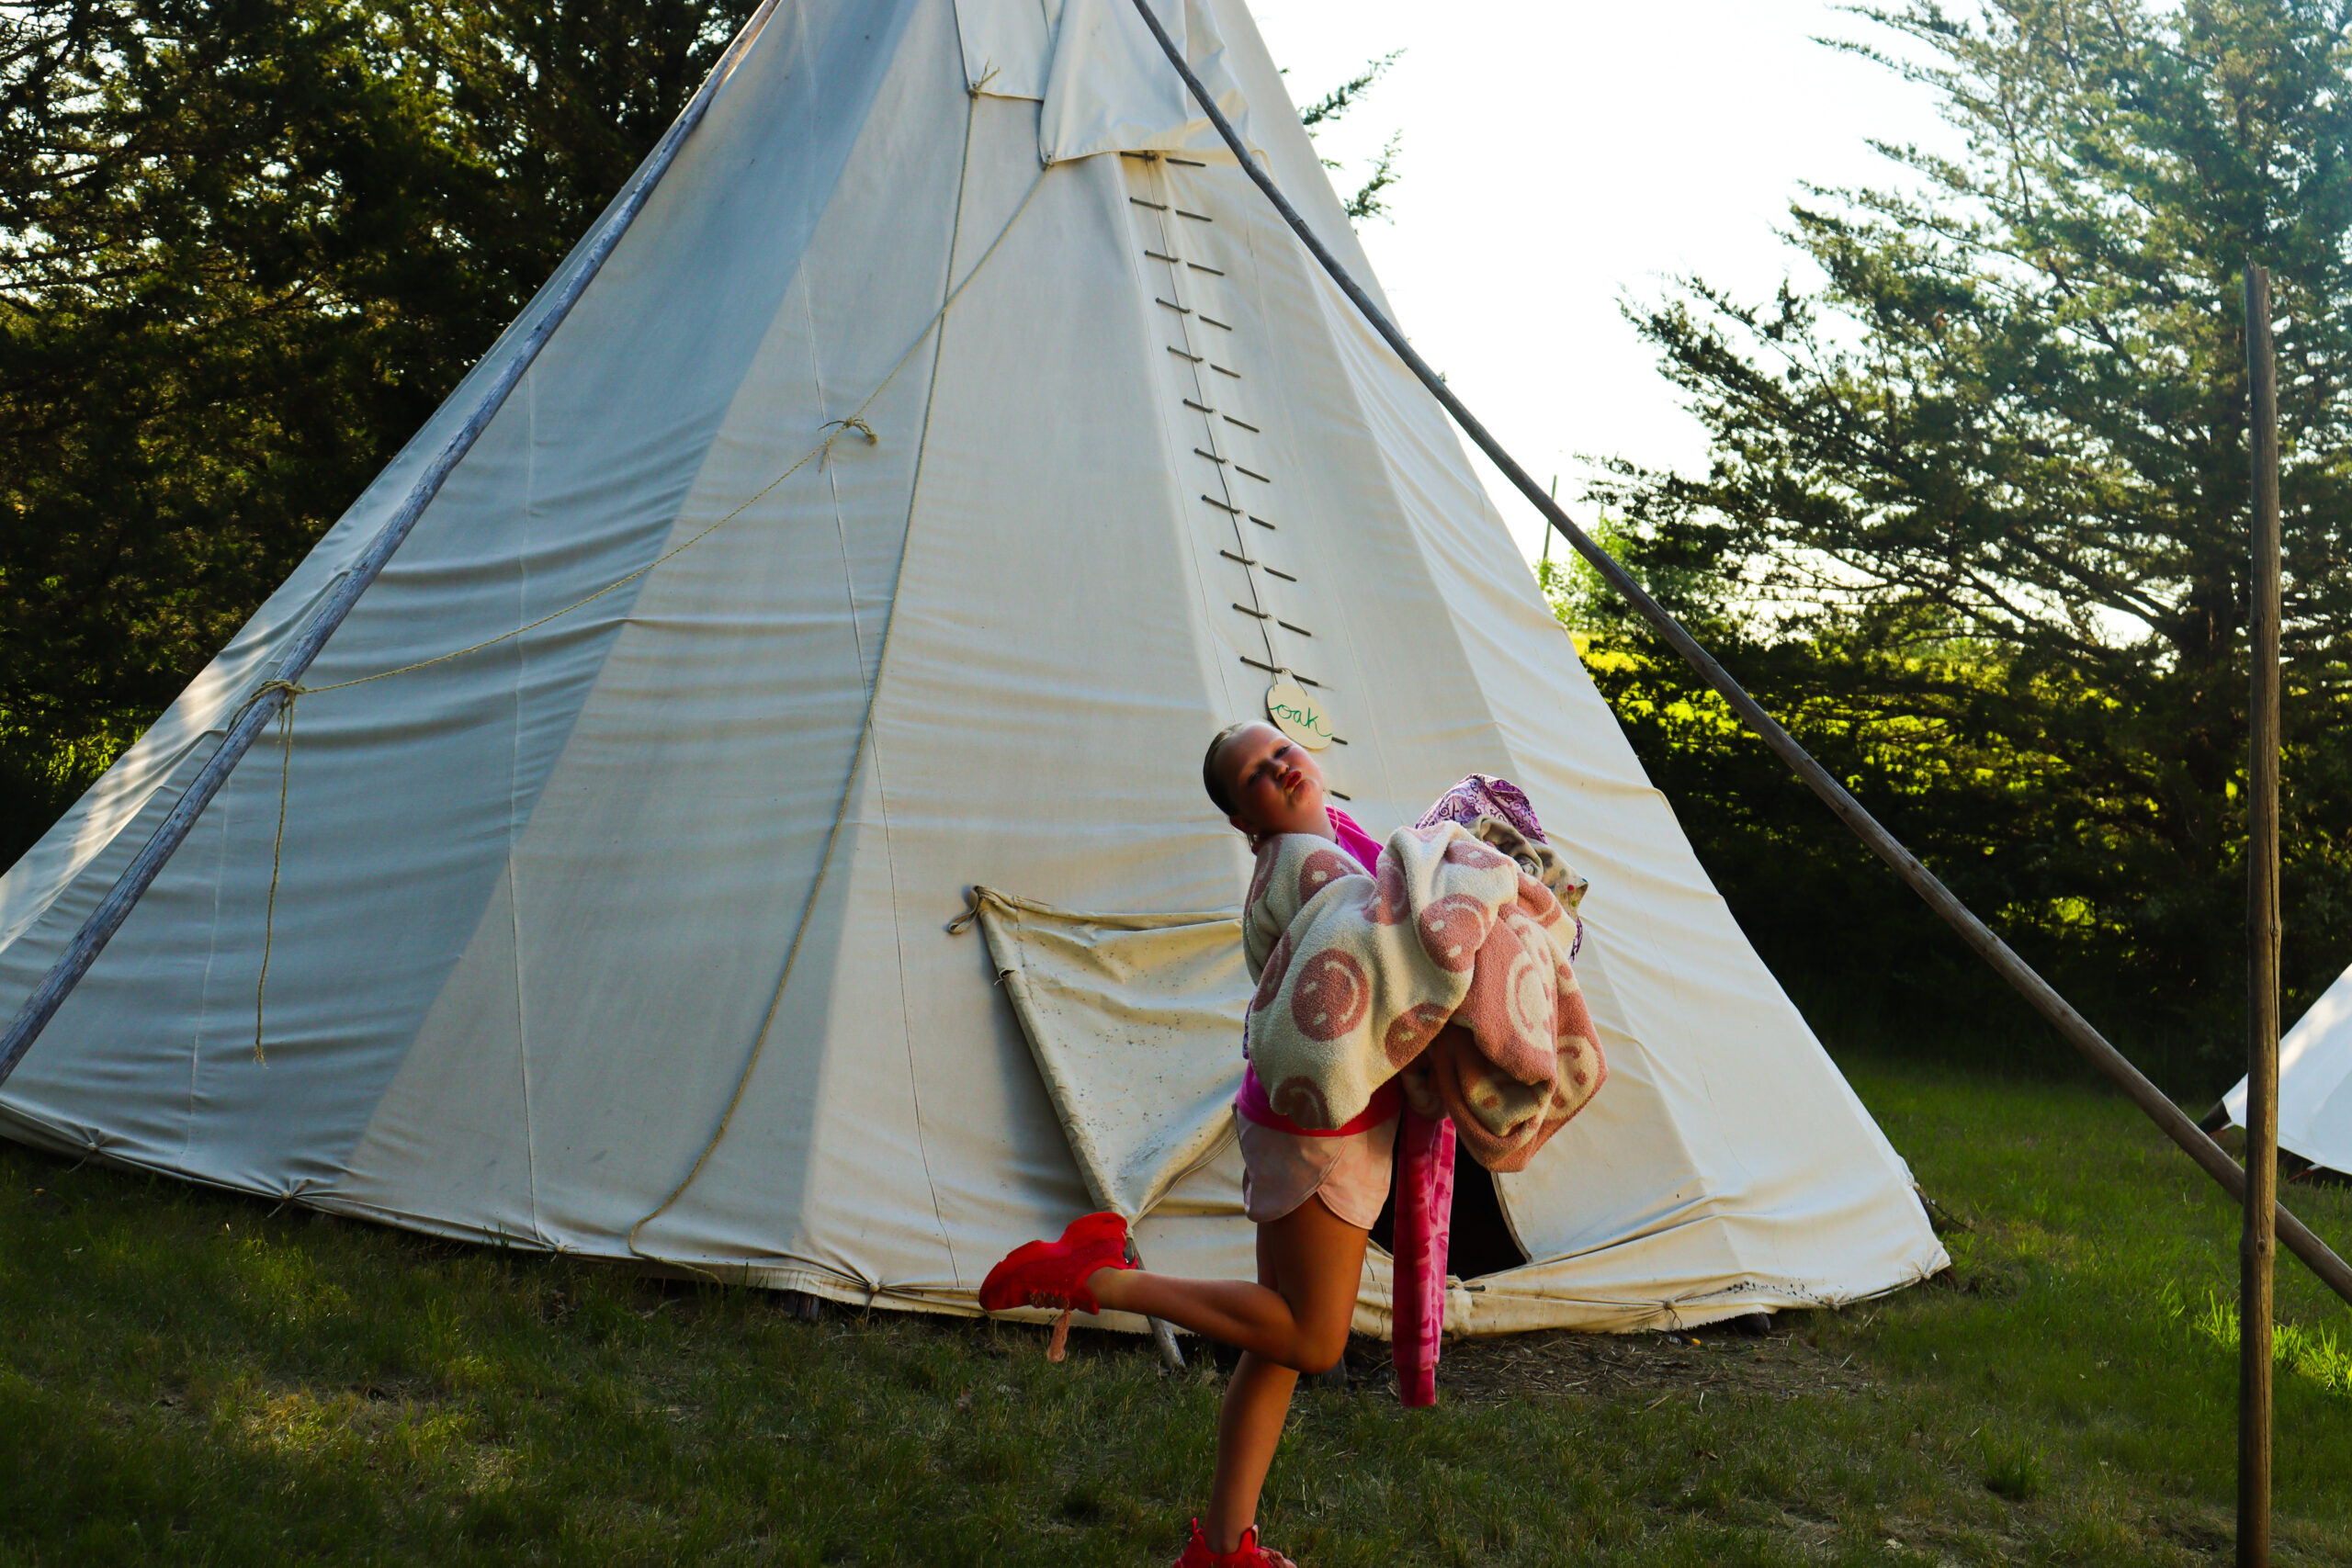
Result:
x=1562 y=155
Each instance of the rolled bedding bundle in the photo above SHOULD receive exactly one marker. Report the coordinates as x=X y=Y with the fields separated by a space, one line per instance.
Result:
x=1449 y=968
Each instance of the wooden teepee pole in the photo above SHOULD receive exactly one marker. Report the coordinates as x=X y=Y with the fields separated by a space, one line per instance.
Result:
x=247 y=723
x=2256 y=1244
x=2072 y=1026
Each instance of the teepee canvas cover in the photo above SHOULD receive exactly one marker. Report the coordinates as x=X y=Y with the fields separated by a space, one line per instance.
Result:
x=626 y=935
x=2315 y=1082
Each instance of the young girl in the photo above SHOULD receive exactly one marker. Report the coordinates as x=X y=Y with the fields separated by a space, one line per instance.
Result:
x=1313 y=1195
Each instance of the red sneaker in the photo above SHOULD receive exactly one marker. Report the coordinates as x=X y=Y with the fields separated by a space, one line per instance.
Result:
x=1053 y=1273
x=1248 y=1555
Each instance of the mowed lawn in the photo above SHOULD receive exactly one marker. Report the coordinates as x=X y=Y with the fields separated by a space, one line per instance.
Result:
x=191 y=1377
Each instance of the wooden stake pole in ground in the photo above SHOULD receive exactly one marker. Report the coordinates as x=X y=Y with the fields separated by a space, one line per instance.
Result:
x=2255 y=1245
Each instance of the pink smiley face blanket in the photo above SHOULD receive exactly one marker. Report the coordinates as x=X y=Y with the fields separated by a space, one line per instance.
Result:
x=1448 y=969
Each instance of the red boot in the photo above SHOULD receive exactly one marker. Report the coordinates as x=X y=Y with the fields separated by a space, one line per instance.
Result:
x=1248 y=1555
x=1053 y=1273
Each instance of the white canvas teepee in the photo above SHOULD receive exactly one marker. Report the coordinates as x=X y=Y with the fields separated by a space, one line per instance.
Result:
x=626 y=935
x=2315 y=1082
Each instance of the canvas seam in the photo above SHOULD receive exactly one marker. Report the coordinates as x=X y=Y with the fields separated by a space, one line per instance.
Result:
x=881 y=791
x=833 y=476
x=513 y=803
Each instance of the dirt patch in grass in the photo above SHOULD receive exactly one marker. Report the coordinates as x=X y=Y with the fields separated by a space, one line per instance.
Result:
x=1782 y=1365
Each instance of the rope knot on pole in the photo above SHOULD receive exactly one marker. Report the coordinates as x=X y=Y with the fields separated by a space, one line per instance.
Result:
x=292 y=689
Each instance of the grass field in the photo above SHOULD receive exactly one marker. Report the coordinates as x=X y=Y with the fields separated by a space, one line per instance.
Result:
x=188 y=1377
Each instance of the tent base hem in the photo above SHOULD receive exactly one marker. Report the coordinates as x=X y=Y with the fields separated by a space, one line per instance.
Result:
x=1514 y=1302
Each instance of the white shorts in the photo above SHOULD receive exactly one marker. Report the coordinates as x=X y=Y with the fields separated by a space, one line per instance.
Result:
x=1281 y=1170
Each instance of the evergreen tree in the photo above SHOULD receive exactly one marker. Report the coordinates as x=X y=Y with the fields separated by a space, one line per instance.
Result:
x=1976 y=520
x=247 y=246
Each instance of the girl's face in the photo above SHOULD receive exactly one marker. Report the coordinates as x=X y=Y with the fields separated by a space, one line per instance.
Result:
x=1275 y=785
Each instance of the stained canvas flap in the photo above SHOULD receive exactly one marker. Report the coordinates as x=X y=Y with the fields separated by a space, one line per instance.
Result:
x=1103 y=81
x=1111 y=90
x=1135 y=1021
x=1008 y=45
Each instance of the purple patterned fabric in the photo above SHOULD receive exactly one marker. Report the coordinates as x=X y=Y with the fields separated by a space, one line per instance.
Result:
x=1483 y=794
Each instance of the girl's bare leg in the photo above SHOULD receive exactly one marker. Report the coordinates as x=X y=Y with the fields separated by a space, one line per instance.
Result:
x=1249 y=1427
x=1295 y=1319
x=1310 y=1264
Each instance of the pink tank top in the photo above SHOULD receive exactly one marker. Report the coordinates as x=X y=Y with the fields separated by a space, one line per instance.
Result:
x=1251 y=1102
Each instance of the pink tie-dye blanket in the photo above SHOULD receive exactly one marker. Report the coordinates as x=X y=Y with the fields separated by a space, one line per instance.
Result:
x=1450 y=966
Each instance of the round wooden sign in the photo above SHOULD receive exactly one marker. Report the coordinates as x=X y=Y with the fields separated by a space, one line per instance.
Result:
x=1304 y=718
